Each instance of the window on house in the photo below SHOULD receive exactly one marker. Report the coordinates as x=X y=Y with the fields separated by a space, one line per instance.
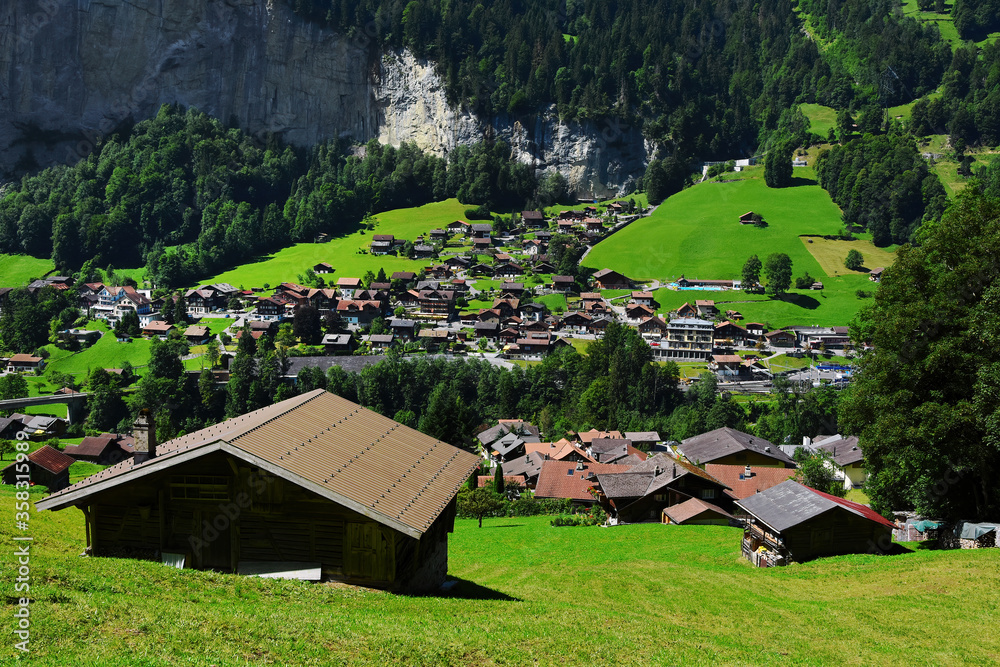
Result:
x=199 y=487
x=660 y=497
x=707 y=494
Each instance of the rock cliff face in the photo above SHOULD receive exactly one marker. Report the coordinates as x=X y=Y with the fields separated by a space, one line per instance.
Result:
x=72 y=70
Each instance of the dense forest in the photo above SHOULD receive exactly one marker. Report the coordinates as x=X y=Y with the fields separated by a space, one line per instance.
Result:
x=883 y=186
x=215 y=198
x=703 y=78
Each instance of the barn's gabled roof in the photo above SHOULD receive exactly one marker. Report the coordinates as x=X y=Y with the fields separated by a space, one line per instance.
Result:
x=348 y=454
x=724 y=441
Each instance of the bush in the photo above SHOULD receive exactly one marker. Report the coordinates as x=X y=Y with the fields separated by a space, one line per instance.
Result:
x=804 y=281
x=863 y=294
x=595 y=516
x=479 y=213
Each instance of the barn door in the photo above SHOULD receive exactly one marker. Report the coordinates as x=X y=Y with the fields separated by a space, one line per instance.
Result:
x=369 y=552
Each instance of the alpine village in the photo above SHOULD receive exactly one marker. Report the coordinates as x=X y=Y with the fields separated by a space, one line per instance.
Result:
x=554 y=332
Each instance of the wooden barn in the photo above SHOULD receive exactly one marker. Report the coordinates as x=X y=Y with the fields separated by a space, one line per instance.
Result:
x=45 y=466
x=314 y=487
x=792 y=522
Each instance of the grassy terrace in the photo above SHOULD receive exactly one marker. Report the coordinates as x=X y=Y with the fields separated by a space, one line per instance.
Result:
x=17 y=270
x=344 y=252
x=527 y=594
x=696 y=233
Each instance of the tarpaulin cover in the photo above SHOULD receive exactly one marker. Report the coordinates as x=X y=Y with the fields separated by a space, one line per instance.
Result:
x=972 y=531
x=924 y=526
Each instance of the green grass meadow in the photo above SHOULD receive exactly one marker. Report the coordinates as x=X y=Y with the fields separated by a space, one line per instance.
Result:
x=16 y=270
x=821 y=119
x=527 y=594
x=343 y=252
x=696 y=233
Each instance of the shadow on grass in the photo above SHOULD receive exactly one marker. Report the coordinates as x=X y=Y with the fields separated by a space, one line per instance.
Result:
x=800 y=300
x=463 y=589
x=506 y=525
x=798 y=181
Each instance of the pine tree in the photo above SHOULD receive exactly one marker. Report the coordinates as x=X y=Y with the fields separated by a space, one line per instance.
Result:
x=498 y=483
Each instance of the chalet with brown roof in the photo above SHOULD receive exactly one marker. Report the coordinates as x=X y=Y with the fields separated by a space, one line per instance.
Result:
x=157 y=328
x=687 y=310
x=359 y=313
x=599 y=325
x=197 y=334
x=482 y=230
x=104 y=449
x=727 y=445
x=643 y=299
x=24 y=363
x=728 y=333
x=643 y=491
x=781 y=338
x=508 y=270
x=575 y=322
x=270 y=308
x=458 y=227
x=608 y=279
x=533 y=219
x=755 y=329
x=636 y=312
x=323 y=267
x=404 y=276
x=439 y=235
x=436 y=302
x=563 y=283
x=706 y=308
x=727 y=365
x=46 y=466
x=318 y=484
x=347 y=286
x=586 y=437
x=381 y=244
x=652 y=328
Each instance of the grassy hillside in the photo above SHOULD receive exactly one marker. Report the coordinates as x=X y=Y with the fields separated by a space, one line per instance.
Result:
x=821 y=119
x=696 y=233
x=527 y=594
x=17 y=270
x=344 y=252
x=944 y=23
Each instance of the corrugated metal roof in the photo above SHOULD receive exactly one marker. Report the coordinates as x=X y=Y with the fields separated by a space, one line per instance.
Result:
x=345 y=452
x=790 y=503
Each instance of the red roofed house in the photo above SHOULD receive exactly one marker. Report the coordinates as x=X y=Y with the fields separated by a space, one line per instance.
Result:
x=46 y=466
x=23 y=363
x=565 y=479
x=105 y=449
x=745 y=481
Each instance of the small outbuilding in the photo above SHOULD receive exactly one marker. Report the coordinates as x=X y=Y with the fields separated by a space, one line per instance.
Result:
x=45 y=466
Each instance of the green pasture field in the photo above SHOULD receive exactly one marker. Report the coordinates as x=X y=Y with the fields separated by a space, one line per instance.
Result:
x=944 y=22
x=17 y=270
x=526 y=594
x=821 y=119
x=344 y=252
x=696 y=233
x=105 y=353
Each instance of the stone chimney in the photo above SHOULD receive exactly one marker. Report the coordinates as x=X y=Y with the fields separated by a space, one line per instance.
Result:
x=144 y=432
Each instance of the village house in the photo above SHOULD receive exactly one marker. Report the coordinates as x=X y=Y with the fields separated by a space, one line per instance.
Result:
x=381 y=244
x=423 y=251
x=316 y=484
x=157 y=328
x=438 y=235
x=197 y=334
x=338 y=343
x=459 y=227
x=104 y=449
x=644 y=299
x=322 y=268
x=575 y=322
x=642 y=491
x=574 y=481
x=563 y=283
x=380 y=342
x=482 y=230
x=636 y=313
x=706 y=308
x=533 y=219
x=404 y=330
x=781 y=338
x=608 y=279
x=847 y=459
x=875 y=275
x=727 y=445
x=45 y=466
x=794 y=523
x=686 y=310
x=487 y=330
x=727 y=333
x=746 y=480
x=404 y=277
x=269 y=308
x=524 y=470
x=359 y=313
x=348 y=286
x=25 y=363
x=727 y=366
